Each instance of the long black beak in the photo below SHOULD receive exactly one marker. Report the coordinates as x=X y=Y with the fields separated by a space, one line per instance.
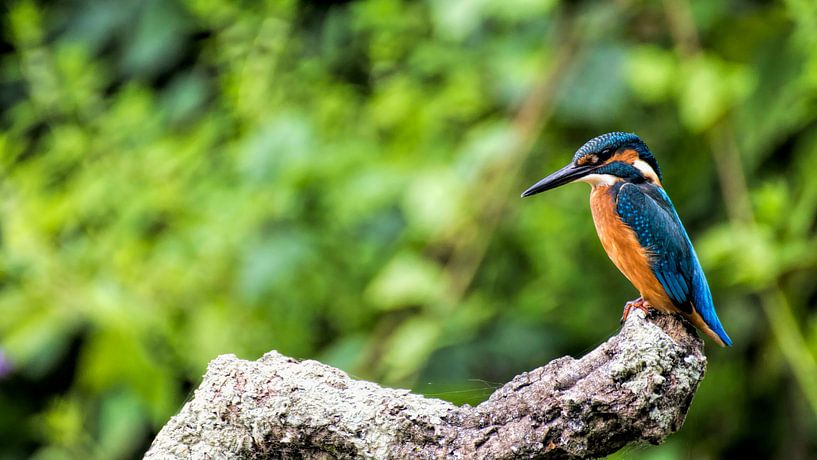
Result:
x=563 y=176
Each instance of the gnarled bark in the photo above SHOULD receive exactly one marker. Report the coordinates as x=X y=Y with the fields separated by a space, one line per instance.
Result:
x=635 y=387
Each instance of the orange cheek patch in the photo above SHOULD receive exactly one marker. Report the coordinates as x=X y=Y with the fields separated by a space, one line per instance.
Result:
x=625 y=156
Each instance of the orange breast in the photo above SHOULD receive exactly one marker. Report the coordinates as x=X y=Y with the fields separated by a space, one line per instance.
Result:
x=622 y=247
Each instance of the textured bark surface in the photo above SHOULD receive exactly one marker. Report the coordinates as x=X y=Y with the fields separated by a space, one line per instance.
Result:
x=634 y=388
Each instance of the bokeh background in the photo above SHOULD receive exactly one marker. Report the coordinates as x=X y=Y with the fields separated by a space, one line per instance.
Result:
x=340 y=181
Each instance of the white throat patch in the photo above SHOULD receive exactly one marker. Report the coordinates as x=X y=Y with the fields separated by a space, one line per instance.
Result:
x=599 y=179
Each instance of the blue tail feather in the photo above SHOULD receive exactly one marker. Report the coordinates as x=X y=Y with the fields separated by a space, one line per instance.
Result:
x=702 y=300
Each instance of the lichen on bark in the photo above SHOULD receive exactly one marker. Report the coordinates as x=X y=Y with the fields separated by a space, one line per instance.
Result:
x=634 y=388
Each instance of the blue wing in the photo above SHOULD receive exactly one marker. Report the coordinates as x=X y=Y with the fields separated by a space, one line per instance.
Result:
x=647 y=209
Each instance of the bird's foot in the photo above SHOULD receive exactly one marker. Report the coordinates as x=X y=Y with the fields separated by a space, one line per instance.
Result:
x=639 y=304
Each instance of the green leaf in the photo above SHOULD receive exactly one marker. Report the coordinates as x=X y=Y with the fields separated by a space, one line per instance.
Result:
x=409 y=347
x=407 y=280
x=710 y=88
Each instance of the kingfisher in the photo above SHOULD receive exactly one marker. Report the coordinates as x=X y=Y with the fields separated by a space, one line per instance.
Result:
x=640 y=229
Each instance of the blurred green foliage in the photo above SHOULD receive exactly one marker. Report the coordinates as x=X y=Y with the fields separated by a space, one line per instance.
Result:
x=339 y=180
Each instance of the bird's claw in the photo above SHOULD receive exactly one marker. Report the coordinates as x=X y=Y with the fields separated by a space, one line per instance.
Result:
x=639 y=304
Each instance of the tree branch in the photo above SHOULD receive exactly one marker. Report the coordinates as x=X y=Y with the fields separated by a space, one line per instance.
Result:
x=635 y=387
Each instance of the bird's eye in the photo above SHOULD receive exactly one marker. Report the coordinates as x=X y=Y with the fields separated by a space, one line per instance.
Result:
x=607 y=152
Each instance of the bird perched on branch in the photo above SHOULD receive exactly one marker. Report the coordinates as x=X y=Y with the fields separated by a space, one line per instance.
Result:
x=639 y=228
